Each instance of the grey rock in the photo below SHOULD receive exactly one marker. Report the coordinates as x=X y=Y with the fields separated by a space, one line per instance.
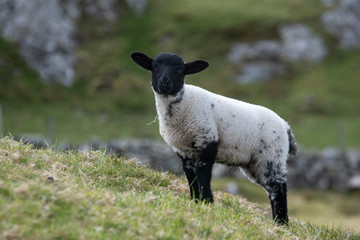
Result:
x=354 y=182
x=331 y=168
x=64 y=146
x=258 y=61
x=242 y=52
x=83 y=148
x=45 y=31
x=36 y=140
x=301 y=44
x=266 y=59
x=149 y=152
x=343 y=22
x=260 y=71
x=220 y=170
x=353 y=159
x=232 y=188
x=138 y=6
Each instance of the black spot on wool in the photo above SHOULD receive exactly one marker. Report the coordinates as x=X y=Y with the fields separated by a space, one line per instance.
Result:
x=176 y=101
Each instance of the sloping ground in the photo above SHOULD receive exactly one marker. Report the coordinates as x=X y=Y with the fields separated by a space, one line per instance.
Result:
x=50 y=195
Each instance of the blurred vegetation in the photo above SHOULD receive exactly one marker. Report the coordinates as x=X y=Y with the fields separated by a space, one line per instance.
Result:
x=112 y=97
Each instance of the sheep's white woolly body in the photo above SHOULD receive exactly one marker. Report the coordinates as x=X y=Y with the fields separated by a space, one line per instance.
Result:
x=204 y=128
x=247 y=134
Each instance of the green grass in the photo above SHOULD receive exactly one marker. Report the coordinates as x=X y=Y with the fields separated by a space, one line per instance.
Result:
x=46 y=194
x=78 y=124
x=321 y=207
x=112 y=97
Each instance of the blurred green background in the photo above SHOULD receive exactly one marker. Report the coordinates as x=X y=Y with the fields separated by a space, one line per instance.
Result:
x=111 y=96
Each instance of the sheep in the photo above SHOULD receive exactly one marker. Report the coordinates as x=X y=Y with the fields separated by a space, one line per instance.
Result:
x=204 y=128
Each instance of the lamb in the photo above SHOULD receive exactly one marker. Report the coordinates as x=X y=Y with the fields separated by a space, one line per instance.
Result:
x=204 y=128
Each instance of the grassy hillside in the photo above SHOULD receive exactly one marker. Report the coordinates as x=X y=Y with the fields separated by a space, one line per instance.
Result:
x=112 y=97
x=50 y=195
x=320 y=207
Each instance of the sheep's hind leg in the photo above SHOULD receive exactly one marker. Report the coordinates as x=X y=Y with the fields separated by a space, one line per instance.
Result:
x=275 y=185
x=272 y=177
x=277 y=196
x=204 y=165
x=189 y=169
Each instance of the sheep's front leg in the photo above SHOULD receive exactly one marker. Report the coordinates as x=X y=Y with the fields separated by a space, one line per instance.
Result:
x=189 y=169
x=204 y=165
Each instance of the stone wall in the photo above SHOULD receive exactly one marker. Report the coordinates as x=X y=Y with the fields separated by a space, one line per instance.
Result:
x=330 y=168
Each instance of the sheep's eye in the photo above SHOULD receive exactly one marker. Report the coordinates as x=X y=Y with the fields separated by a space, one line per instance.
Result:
x=180 y=71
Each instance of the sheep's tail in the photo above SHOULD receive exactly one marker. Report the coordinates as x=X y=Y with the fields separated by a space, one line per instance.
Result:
x=292 y=142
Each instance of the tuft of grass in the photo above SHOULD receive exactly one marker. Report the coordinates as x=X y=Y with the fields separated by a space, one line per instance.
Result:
x=46 y=194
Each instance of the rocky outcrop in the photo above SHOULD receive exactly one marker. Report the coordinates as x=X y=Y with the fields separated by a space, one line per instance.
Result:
x=45 y=31
x=328 y=169
x=300 y=43
x=259 y=61
x=266 y=59
x=343 y=22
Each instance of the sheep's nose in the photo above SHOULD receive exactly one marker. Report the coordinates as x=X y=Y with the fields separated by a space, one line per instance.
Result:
x=164 y=81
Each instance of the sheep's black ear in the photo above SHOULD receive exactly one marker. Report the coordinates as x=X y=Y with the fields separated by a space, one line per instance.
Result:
x=195 y=66
x=142 y=60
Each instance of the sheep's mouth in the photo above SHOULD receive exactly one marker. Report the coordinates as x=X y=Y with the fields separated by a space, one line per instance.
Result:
x=164 y=88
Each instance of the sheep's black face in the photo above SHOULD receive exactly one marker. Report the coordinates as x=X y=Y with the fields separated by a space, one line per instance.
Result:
x=168 y=71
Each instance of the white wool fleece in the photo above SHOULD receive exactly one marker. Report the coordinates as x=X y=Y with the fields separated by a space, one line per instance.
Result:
x=195 y=117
